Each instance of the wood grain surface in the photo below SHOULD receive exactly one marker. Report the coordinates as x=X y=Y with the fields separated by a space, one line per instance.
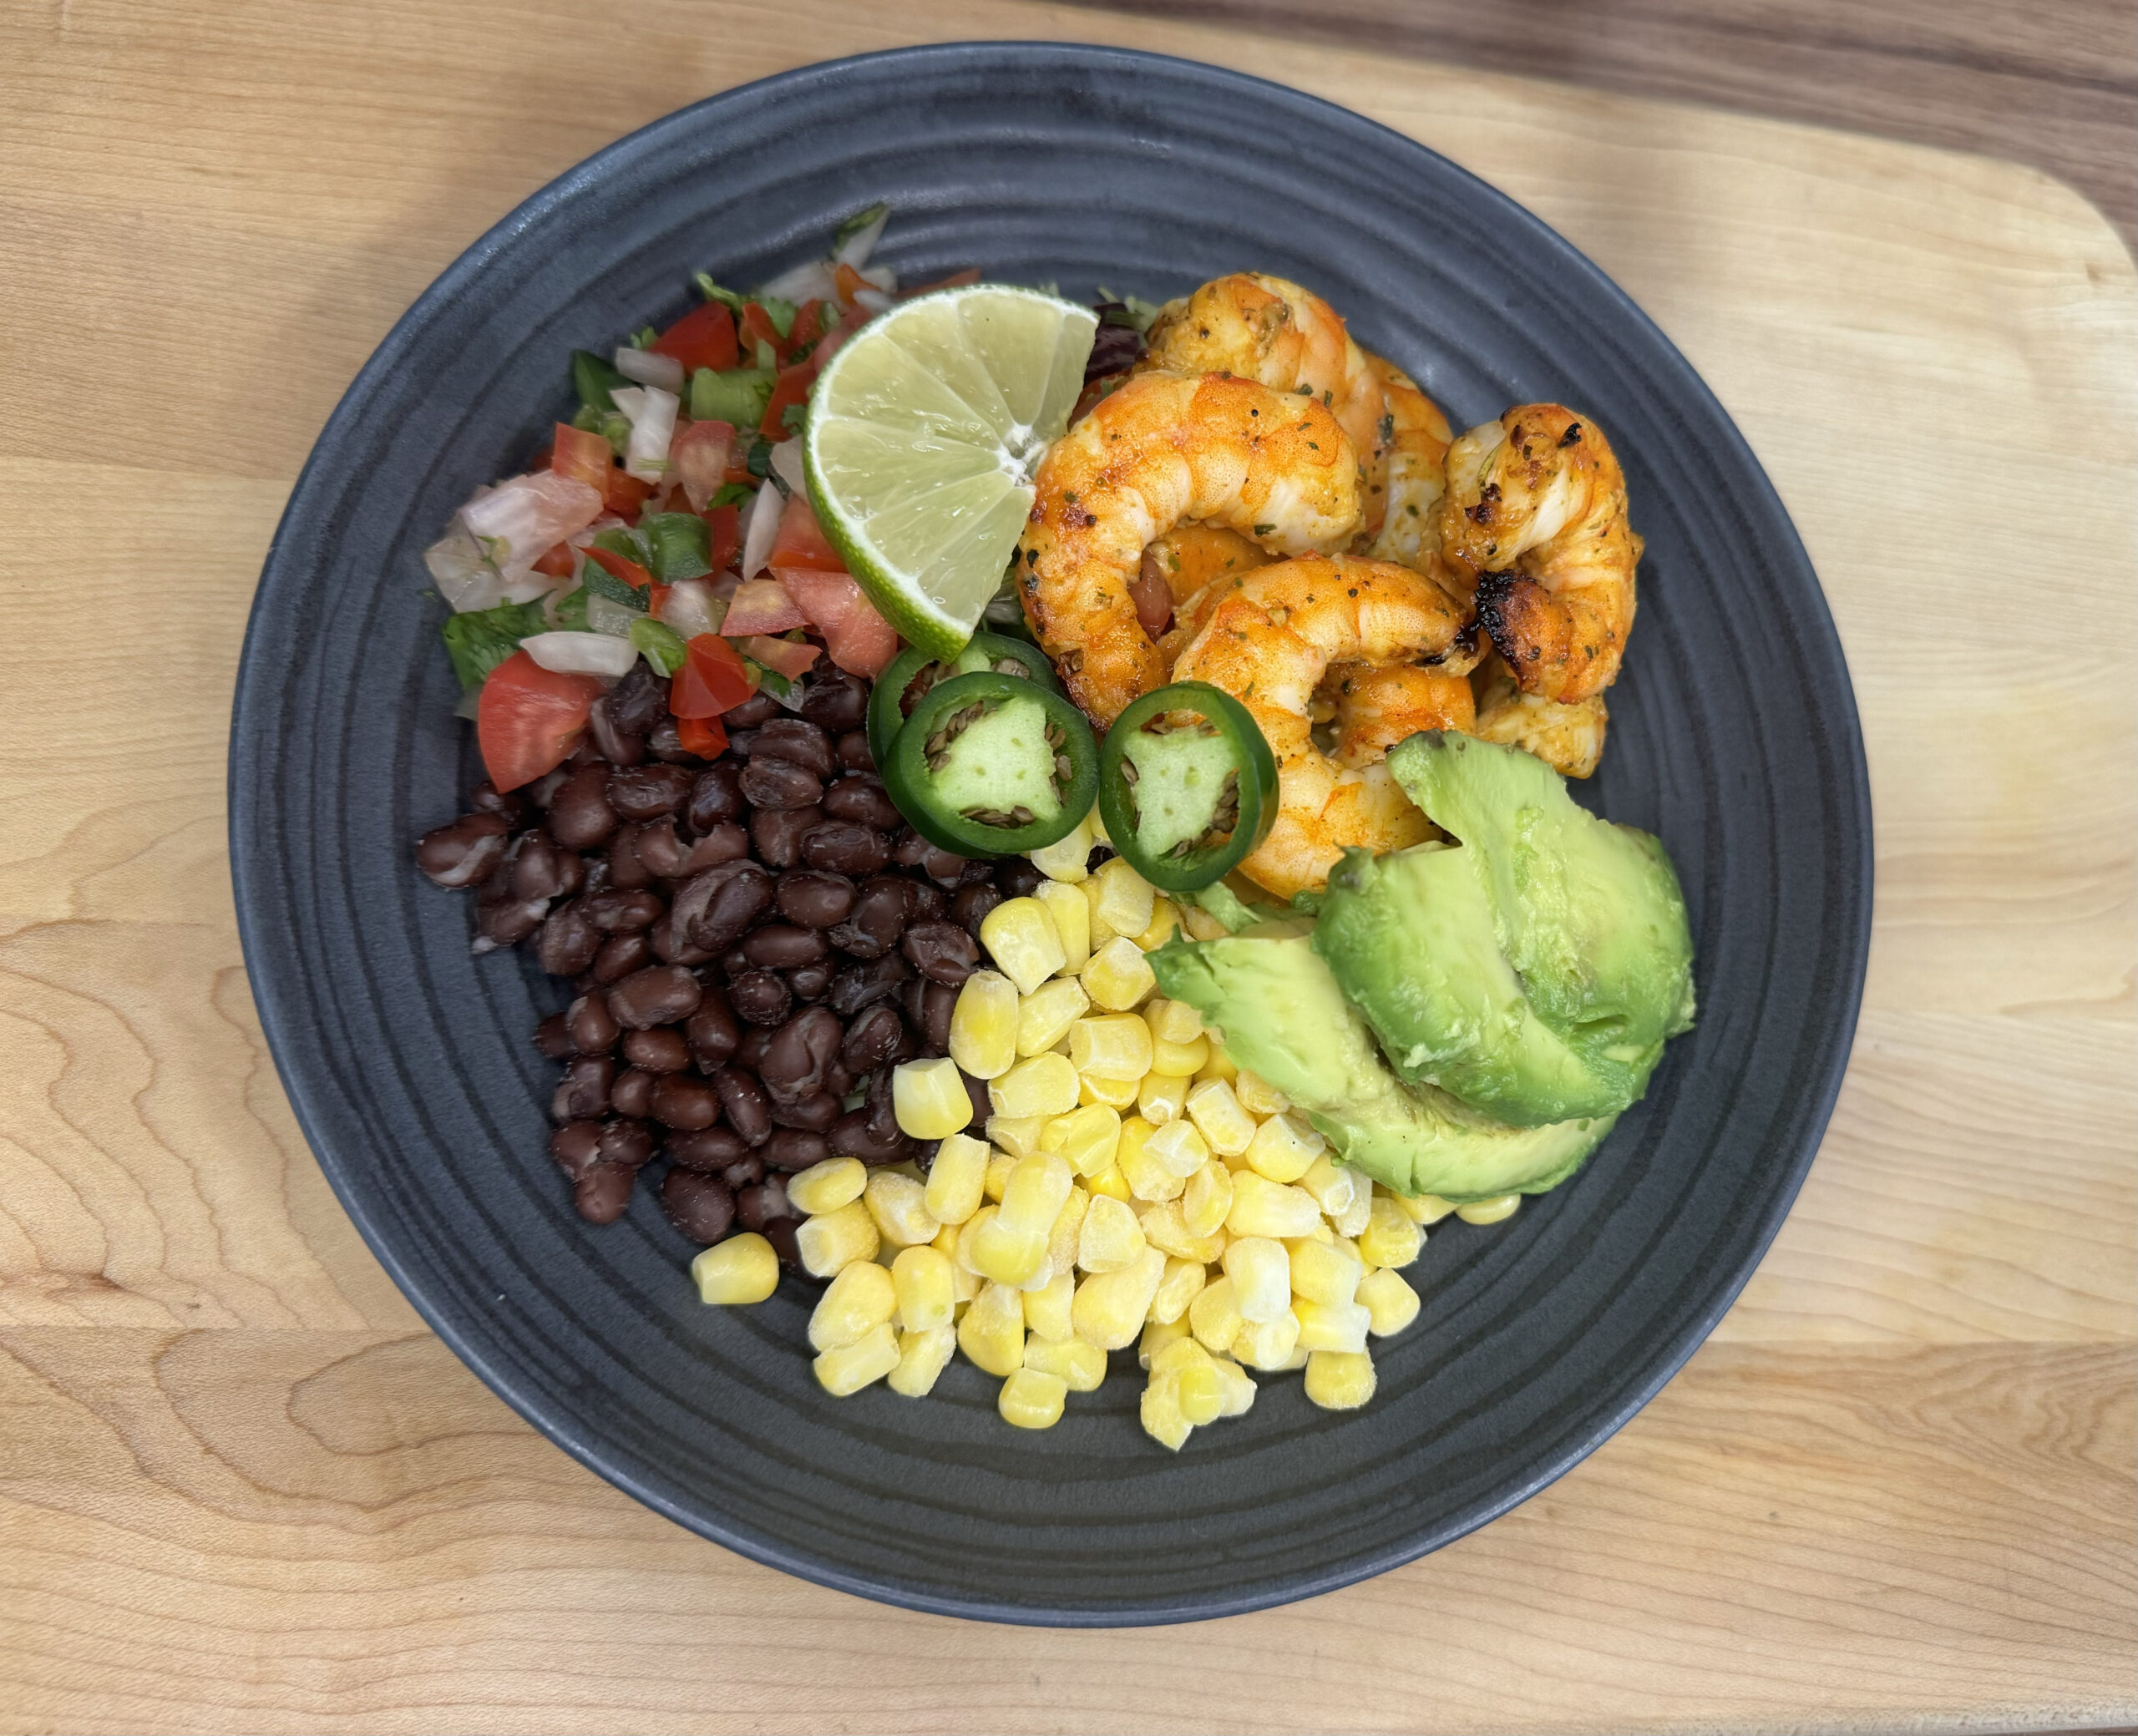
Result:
x=242 y=1489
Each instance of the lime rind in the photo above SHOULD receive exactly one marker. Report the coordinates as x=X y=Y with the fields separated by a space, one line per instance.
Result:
x=924 y=432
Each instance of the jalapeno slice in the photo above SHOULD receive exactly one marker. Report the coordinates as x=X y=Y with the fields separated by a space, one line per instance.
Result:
x=913 y=672
x=991 y=765
x=1188 y=785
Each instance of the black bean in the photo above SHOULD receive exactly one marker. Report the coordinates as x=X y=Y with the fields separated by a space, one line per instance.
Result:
x=837 y=1080
x=622 y=954
x=791 y=1148
x=844 y=847
x=814 y=897
x=745 y=1171
x=780 y=1232
x=1017 y=877
x=748 y=1110
x=940 y=951
x=584 y=1091
x=663 y=743
x=924 y=903
x=733 y=963
x=878 y=919
x=976 y=1093
x=624 y=913
x=835 y=701
x=712 y=909
x=659 y=994
x=854 y=754
x=685 y=1103
x=617 y=745
x=938 y=1001
x=810 y=984
x=852 y=1137
x=575 y=1146
x=908 y=848
x=463 y=853
x=568 y=941
x=860 y=985
x=760 y=707
x=709 y=1148
x=863 y=802
x=508 y=922
x=594 y=1030
x=540 y=792
x=659 y=1050
x=632 y=1094
x=796 y=738
x=584 y=752
x=604 y=1192
x=812 y=1115
x=779 y=946
x=638 y=701
x=980 y=871
x=781 y=784
x=662 y=937
x=553 y=1039
x=649 y=793
x=795 y=1058
x=580 y=814
x=945 y=868
x=627 y=1140
x=722 y=843
x=877 y=1039
x=508 y=805
x=660 y=850
x=700 y=1205
x=712 y=1031
x=716 y=796
x=777 y=833
x=752 y=1048
x=543 y=868
x=969 y=908
x=626 y=872
x=759 y=998
x=764 y=1204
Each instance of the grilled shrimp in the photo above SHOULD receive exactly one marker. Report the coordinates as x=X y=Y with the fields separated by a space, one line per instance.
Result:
x=1567 y=738
x=1181 y=563
x=1405 y=486
x=1164 y=449
x=1536 y=512
x=1376 y=708
x=1268 y=329
x=1270 y=640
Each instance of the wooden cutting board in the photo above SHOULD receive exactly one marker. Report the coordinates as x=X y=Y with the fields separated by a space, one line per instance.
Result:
x=241 y=1488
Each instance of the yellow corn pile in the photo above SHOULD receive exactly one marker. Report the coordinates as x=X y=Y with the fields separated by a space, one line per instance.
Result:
x=1133 y=1188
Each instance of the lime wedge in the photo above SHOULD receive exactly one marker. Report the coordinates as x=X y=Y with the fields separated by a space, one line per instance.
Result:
x=924 y=430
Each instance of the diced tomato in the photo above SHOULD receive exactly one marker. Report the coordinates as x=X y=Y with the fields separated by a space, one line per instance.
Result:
x=586 y=456
x=625 y=493
x=789 y=656
x=702 y=736
x=860 y=639
x=619 y=566
x=855 y=319
x=528 y=717
x=712 y=679
x=724 y=525
x=849 y=281
x=813 y=319
x=739 y=465
x=561 y=562
x=704 y=337
x=800 y=541
x=762 y=605
x=698 y=457
x=790 y=389
x=657 y=600
x=956 y=280
x=757 y=328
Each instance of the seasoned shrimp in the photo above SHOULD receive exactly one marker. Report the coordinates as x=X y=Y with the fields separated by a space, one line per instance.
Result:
x=1403 y=488
x=1536 y=512
x=1270 y=640
x=1567 y=738
x=1181 y=563
x=1376 y=708
x=1162 y=450
x=1269 y=329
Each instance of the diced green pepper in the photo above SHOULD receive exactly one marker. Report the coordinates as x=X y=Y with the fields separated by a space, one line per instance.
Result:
x=662 y=646
x=593 y=379
x=737 y=395
x=677 y=546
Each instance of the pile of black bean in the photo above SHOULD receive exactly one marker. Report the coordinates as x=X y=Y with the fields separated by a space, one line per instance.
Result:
x=753 y=944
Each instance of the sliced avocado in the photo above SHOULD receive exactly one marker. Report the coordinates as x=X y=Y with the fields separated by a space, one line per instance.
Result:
x=1283 y=1017
x=1534 y=967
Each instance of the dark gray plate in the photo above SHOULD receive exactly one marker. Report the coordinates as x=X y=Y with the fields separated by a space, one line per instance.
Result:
x=1733 y=735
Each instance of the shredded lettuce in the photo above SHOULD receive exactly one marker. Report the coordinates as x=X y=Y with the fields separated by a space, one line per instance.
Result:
x=571 y=612
x=662 y=646
x=480 y=639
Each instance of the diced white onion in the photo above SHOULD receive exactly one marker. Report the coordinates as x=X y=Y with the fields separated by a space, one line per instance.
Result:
x=519 y=521
x=883 y=277
x=651 y=413
x=760 y=527
x=875 y=301
x=606 y=616
x=690 y=609
x=648 y=369
x=810 y=282
x=862 y=242
x=593 y=653
x=787 y=466
x=462 y=574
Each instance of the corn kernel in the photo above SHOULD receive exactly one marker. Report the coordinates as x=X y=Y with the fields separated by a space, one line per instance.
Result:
x=1296 y=1360
x=1213 y=1316
x=1079 y=1367
x=930 y=1098
x=1111 y=1182
x=1261 y=1273
x=1072 y=922
x=1062 y=1241
x=1019 y=935
x=829 y=1244
x=1283 y=1149
x=1208 y=1198
x=1037 y=1189
x=1201 y=925
x=1160 y=1341
x=1159 y=1411
x=1147 y=1179
x=1257 y=1096
x=1115 y=1094
x=1389 y=1239
x=1064 y=858
x=1354 y=1217
x=1216 y=1114
x=926 y=1283
x=899 y=1205
x=1015 y=1136
x=1219 y=1065
x=1031 y=1400
x=1183 y=1280
x=1492 y=1211
x=1332 y=1325
x=1180 y=1061
x=1339 y=1379
x=1324 y=1272
x=1111 y=1238
x=742 y=1270
x=1005 y=1253
x=1166 y=1229
x=984 y=1025
x=857 y=1302
x=1260 y=1207
x=992 y=1332
x=1165 y=923
x=968 y=1284
x=1201 y=1392
x=1333 y=1188
x=1100 y=931
x=1162 y=1097
x=1178 y=1147
x=826 y=1186
x=1041 y=1085
x=1173 y=1021
x=1047 y=1309
x=1111 y=1307
x=1268 y=1345
x=848 y=1368
x=1239 y=1387
x=1423 y=1207
x=1125 y=898
x=1119 y=976
x=997 y=1176
x=1118 y=1047
x=1391 y=1303
x=1045 y=1015
x=968 y=1234
x=1096 y=822
x=922 y=1357
x=957 y=1179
